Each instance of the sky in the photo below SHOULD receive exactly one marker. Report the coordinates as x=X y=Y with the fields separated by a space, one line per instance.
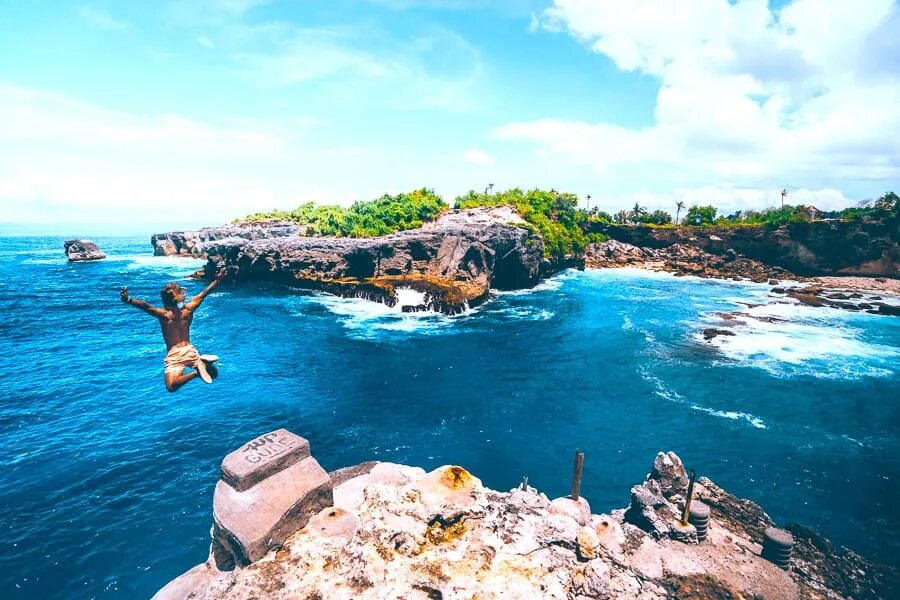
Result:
x=120 y=116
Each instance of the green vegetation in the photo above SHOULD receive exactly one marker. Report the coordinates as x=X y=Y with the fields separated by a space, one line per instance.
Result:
x=700 y=215
x=384 y=215
x=554 y=215
x=885 y=208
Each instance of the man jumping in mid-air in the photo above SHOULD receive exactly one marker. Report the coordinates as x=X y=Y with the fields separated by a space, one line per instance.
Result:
x=176 y=329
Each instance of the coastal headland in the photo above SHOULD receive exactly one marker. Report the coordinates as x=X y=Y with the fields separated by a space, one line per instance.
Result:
x=381 y=530
x=452 y=262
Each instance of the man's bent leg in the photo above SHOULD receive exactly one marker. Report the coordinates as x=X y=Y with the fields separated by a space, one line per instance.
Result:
x=175 y=380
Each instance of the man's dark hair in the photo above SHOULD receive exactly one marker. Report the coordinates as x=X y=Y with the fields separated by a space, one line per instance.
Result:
x=169 y=292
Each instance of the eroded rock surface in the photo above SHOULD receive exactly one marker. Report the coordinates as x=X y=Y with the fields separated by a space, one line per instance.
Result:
x=191 y=243
x=452 y=262
x=399 y=532
x=82 y=250
x=832 y=247
x=681 y=259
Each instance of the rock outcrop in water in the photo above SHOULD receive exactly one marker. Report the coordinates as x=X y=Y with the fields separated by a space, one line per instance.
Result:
x=453 y=262
x=82 y=251
x=398 y=532
x=807 y=248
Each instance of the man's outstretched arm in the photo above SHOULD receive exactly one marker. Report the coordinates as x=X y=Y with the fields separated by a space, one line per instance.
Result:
x=198 y=299
x=135 y=302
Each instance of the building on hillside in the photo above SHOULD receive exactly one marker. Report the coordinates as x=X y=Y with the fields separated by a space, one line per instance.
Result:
x=812 y=213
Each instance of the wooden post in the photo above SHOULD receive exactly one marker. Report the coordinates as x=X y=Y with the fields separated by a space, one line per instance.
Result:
x=576 y=476
x=687 y=500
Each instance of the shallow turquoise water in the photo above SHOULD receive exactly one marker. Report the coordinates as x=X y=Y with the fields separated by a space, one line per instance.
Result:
x=107 y=479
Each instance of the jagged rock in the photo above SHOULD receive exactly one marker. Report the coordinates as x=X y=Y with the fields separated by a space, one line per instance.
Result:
x=579 y=510
x=192 y=243
x=683 y=532
x=453 y=261
x=815 y=248
x=649 y=510
x=82 y=251
x=588 y=543
x=711 y=332
x=462 y=540
x=669 y=472
x=679 y=258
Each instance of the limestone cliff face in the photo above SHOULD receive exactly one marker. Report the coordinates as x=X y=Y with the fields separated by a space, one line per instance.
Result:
x=454 y=261
x=815 y=248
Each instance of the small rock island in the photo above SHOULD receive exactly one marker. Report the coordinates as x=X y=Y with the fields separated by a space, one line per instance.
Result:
x=82 y=251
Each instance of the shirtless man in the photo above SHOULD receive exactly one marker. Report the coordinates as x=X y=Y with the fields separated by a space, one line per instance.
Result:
x=176 y=329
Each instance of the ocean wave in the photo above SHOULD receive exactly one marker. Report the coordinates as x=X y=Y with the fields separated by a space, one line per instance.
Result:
x=790 y=339
x=666 y=393
x=549 y=284
x=365 y=318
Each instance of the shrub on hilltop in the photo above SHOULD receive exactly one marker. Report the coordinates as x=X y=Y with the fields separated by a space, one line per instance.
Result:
x=554 y=215
x=381 y=216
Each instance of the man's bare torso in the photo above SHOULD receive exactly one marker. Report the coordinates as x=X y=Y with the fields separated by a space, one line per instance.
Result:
x=176 y=327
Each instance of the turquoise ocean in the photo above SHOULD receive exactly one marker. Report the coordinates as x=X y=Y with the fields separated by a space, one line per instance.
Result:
x=107 y=479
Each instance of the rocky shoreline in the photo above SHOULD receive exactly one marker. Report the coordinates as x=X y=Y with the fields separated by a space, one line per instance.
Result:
x=391 y=530
x=872 y=295
x=454 y=262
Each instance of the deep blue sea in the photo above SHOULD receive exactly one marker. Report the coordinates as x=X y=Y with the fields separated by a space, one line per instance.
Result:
x=106 y=479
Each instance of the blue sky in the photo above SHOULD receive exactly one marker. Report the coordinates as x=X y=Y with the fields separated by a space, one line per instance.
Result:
x=181 y=113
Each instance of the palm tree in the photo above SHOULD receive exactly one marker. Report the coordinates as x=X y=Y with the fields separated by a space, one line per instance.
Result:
x=637 y=212
x=678 y=206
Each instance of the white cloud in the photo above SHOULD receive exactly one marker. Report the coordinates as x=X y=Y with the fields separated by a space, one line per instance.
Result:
x=478 y=157
x=66 y=161
x=70 y=161
x=100 y=19
x=749 y=96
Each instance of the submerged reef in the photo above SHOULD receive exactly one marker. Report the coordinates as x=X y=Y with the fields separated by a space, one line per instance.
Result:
x=395 y=531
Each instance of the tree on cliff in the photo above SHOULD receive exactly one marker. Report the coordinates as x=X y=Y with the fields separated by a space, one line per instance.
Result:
x=700 y=215
x=554 y=215
x=678 y=208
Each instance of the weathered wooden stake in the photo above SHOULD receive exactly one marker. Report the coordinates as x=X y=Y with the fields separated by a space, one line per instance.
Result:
x=687 y=500
x=576 y=477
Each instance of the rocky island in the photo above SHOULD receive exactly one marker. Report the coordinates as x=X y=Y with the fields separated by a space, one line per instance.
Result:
x=452 y=262
x=382 y=530
x=82 y=251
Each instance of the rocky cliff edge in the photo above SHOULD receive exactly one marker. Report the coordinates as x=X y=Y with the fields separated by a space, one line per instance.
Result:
x=398 y=532
x=452 y=262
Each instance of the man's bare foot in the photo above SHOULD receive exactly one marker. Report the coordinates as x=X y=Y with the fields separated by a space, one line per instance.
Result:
x=212 y=369
x=209 y=358
x=203 y=372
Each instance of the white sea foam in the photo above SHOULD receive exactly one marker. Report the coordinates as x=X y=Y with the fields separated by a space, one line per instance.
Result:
x=665 y=392
x=787 y=338
x=549 y=284
x=365 y=318
x=525 y=313
x=161 y=263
